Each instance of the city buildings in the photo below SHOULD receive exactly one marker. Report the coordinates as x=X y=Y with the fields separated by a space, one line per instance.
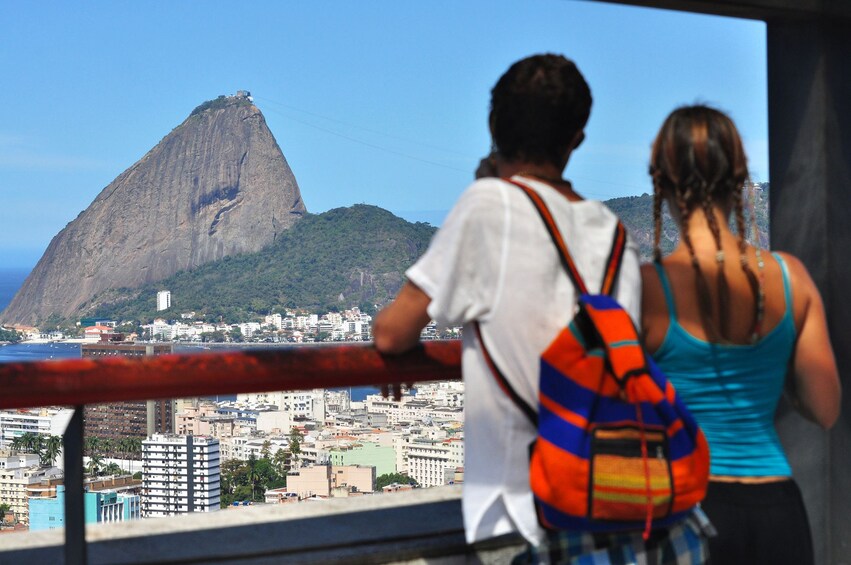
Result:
x=132 y=418
x=17 y=475
x=47 y=508
x=364 y=453
x=180 y=475
x=330 y=480
x=428 y=461
x=43 y=421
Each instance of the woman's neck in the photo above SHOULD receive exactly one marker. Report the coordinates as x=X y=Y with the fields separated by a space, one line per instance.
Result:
x=700 y=231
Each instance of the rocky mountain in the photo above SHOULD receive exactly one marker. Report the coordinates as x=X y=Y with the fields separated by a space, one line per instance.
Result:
x=216 y=186
x=341 y=258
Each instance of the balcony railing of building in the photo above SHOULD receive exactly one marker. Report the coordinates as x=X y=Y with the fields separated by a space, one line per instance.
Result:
x=77 y=382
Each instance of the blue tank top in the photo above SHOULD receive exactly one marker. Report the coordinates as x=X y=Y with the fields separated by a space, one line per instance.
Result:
x=732 y=390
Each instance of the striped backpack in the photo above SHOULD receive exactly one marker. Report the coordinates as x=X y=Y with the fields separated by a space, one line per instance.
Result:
x=616 y=449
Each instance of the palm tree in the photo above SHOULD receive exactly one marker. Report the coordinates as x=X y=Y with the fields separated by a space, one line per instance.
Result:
x=106 y=446
x=253 y=475
x=30 y=442
x=52 y=449
x=17 y=443
x=92 y=445
x=113 y=469
x=280 y=462
x=295 y=445
x=94 y=465
x=134 y=447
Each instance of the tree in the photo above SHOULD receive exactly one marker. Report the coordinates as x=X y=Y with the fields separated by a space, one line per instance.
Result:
x=94 y=465
x=253 y=474
x=32 y=442
x=52 y=449
x=134 y=447
x=113 y=469
x=4 y=507
x=233 y=478
x=266 y=450
x=390 y=478
x=295 y=445
x=280 y=462
x=215 y=337
x=17 y=443
x=92 y=445
x=10 y=335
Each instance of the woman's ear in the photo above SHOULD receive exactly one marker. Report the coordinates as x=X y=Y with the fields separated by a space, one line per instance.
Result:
x=577 y=139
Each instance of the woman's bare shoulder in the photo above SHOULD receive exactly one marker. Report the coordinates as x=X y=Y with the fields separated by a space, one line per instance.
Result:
x=798 y=272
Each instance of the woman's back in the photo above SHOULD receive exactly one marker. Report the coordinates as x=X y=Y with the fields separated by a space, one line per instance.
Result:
x=726 y=324
x=731 y=388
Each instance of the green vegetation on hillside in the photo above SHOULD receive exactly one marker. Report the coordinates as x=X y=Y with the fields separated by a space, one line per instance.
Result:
x=636 y=213
x=338 y=259
x=10 y=336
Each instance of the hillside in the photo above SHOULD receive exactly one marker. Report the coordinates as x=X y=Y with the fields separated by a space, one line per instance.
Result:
x=636 y=212
x=341 y=258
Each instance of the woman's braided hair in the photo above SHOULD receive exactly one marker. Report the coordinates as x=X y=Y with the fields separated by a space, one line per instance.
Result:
x=698 y=162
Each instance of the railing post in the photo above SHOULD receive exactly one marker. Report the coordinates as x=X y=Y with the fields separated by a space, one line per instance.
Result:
x=75 y=515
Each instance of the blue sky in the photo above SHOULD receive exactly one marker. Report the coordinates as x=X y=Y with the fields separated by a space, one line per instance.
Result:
x=380 y=102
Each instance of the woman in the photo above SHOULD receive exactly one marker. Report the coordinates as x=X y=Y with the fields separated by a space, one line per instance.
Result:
x=493 y=265
x=725 y=322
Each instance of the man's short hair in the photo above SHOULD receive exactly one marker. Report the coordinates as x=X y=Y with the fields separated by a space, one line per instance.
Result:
x=537 y=108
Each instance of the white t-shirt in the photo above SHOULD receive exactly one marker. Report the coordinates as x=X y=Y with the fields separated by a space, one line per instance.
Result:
x=493 y=261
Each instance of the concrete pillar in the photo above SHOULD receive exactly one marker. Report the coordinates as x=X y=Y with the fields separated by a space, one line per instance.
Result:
x=809 y=90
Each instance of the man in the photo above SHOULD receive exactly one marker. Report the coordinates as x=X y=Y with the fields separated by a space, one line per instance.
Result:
x=493 y=264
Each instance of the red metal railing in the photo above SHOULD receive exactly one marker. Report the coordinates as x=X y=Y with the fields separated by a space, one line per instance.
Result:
x=76 y=382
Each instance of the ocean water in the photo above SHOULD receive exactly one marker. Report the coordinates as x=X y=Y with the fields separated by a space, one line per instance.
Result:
x=38 y=351
x=10 y=281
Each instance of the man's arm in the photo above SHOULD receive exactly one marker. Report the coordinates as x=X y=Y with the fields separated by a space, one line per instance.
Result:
x=397 y=327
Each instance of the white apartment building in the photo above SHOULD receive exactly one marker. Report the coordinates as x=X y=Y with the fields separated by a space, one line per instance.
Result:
x=163 y=300
x=44 y=421
x=442 y=393
x=242 y=447
x=180 y=475
x=401 y=444
x=16 y=476
x=300 y=405
x=248 y=329
x=407 y=410
x=428 y=460
x=274 y=320
x=337 y=401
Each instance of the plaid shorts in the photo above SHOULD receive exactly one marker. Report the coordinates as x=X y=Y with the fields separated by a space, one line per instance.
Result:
x=684 y=543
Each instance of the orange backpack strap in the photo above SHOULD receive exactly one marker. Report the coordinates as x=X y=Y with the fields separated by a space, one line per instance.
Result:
x=613 y=263
x=616 y=332
x=502 y=381
x=610 y=276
